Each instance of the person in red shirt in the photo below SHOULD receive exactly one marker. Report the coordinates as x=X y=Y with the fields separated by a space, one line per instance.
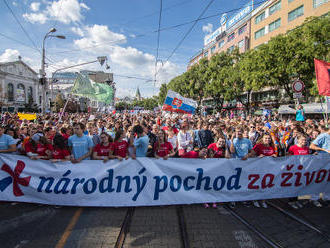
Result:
x=120 y=146
x=266 y=147
x=219 y=150
x=38 y=147
x=301 y=148
x=163 y=148
x=101 y=151
x=202 y=153
x=60 y=150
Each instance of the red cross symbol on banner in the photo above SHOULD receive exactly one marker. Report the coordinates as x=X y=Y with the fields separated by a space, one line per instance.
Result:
x=24 y=181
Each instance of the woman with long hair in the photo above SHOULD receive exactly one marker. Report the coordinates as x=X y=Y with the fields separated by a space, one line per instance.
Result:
x=265 y=146
x=163 y=148
x=39 y=147
x=101 y=151
x=60 y=149
x=120 y=146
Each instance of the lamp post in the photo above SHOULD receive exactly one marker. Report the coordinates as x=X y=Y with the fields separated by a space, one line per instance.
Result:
x=42 y=72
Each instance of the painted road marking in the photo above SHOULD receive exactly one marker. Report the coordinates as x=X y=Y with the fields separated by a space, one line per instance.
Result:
x=244 y=239
x=69 y=228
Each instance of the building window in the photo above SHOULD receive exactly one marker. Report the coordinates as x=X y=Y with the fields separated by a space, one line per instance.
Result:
x=242 y=29
x=241 y=44
x=259 y=33
x=212 y=49
x=206 y=53
x=20 y=93
x=274 y=25
x=259 y=18
x=275 y=7
x=30 y=93
x=317 y=3
x=10 y=92
x=296 y=13
x=230 y=49
x=221 y=43
x=231 y=37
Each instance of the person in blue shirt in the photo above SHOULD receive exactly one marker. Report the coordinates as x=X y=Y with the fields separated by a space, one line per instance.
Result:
x=140 y=143
x=81 y=145
x=240 y=147
x=7 y=143
x=300 y=113
x=322 y=142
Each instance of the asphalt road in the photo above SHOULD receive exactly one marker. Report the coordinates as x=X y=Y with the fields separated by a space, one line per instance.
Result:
x=33 y=225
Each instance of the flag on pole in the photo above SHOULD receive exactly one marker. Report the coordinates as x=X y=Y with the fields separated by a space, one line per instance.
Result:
x=322 y=71
x=84 y=87
x=174 y=102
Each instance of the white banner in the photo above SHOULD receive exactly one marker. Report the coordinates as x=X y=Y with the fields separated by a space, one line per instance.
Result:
x=145 y=182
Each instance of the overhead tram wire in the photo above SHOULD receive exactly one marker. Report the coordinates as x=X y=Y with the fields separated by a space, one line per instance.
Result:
x=161 y=30
x=158 y=37
x=19 y=23
x=25 y=32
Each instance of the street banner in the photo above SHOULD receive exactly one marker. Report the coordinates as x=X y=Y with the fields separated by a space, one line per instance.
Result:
x=84 y=87
x=322 y=72
x=174 y=102
x=28 y=117
x=148 y=182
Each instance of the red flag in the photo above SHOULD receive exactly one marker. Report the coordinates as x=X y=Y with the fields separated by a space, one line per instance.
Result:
x=322 y=71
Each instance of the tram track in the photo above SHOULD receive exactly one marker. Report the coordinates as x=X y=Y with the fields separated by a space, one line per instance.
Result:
x=183 y=227
x=302 y=220
x=291 y=226
x=124 y=228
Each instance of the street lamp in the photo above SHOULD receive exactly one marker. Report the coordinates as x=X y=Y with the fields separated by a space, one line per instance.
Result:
x=42 y=71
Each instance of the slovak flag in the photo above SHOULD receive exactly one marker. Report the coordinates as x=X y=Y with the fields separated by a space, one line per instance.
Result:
x=322 y=71
x=174 y=102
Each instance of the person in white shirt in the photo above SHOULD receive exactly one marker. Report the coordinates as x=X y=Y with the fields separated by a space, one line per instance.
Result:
x=185 y=140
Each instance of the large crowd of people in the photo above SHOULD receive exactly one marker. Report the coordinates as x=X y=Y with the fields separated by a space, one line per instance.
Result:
x=77 y=137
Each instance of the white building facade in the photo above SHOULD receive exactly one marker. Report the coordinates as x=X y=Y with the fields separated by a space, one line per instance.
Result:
x=18 y=84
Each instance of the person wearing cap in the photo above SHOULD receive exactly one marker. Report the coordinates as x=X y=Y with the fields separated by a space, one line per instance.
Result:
x=7 y=143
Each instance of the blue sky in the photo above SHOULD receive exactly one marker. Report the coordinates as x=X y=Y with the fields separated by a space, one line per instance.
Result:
x=122 y=30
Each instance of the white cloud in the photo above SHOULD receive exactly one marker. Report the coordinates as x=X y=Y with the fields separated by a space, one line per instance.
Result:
x=207 y=28
x=36 y=18
x=77 y=31
x=132 y=58
x=99 y=36
x=35 y=6
x=65 y=11
x=9 y=55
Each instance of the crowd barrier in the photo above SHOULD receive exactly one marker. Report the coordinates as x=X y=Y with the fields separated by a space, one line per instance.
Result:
x=147 y=182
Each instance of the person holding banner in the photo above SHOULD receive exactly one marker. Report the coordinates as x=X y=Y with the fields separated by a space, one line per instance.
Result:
x=60 y=150
x=7 y=143
x=219 y=149
x=185 y=140
x=120 y=146
x=240 y=147
x=163 y=148
x=101 y=151
x=80 y=144
x=141 y=143
x=38 y=147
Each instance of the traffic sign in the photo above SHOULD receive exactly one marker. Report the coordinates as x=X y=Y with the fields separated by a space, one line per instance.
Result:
x=298 y=95
x=298 y=86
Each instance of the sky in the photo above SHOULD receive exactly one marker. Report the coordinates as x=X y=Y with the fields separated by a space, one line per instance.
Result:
x=123 y=30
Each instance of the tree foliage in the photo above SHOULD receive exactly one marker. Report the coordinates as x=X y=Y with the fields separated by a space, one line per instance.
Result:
x=233 y=76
